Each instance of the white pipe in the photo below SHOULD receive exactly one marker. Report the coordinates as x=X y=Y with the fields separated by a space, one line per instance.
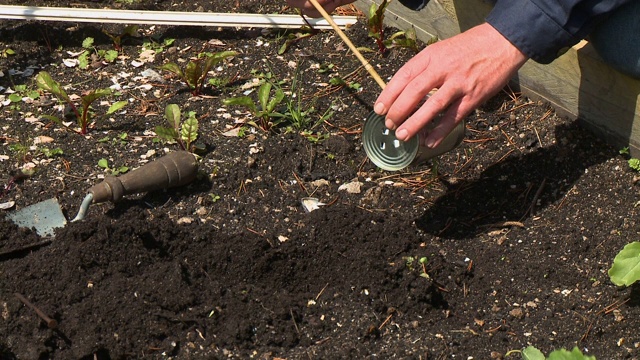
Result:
x=166 y=17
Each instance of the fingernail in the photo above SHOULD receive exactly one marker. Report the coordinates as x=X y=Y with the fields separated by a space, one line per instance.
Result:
x=379 y=108
x=402 y=134
x=389 y=124
x=431 y=143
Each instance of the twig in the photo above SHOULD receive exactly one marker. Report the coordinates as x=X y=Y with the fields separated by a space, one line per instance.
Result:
x=51 y=323
x=535 y=198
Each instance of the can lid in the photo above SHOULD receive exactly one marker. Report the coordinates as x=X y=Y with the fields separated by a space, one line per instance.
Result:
x=382 y=146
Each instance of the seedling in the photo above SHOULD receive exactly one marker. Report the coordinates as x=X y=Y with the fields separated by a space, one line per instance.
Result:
x=375 y=23
x=183 y=134
x=119 y=139
x=197 y=70
x=265 y=110
x=129 y=31
x=6 y=52
x=21 y=92
x=104 y=163
x=82 y=113
x=156 y=45
x=531 y=353
x=626 y=265
x=292 y=38
x=95 y=55
x=338 y=81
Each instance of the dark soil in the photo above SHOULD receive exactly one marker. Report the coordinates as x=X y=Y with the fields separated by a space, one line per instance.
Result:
x=519 y=224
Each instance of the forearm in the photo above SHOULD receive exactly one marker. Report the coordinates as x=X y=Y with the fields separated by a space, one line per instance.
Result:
x=543 y=29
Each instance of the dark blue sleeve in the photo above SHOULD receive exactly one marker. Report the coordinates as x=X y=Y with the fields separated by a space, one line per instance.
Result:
x=544 y=29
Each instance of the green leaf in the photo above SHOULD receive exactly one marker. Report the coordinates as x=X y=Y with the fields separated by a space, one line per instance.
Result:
x=193 y=74
x=111 y=55
x=634 y=164
x=216 y=58
x=116 y=106
x=103 y=163
x=242 y=101
x=92 y=96
x=169 y=135
x=626 y=265
x=189 y=130
x=172 y=114
x=15 y=97
x=173 y=68
x=45 y=82
x=277 y=99
x=574 y=354
x=87 y=43
x=263 y=95
x=531 y=353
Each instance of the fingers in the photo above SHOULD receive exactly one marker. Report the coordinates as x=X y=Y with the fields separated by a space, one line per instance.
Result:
x=405 y=91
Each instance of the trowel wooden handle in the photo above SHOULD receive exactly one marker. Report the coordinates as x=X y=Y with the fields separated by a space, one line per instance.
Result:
x=175 y=169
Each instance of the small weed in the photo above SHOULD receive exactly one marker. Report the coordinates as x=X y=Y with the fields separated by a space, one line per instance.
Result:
x=292 y=38
x=6 y=52
x=104 y=163
x=120 y=139
x=531 y=353
x=316 y=137
x=265 y=109
x=83 y=113
x=156 y=45
x=197 y=70
x=117 y=39
x=20 y=94
x=95 y=55
x=339 y=82
x=214 y=198
x=49 y=153
x=183 y=134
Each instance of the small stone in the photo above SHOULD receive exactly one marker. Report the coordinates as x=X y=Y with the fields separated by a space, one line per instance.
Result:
x=352 y=187
x=185 y=220
x=517 y=313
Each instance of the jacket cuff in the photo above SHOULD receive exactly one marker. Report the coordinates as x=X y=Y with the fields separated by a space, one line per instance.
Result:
x=530 y=29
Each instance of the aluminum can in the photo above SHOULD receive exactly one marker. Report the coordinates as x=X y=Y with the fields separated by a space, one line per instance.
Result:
x=389 y=153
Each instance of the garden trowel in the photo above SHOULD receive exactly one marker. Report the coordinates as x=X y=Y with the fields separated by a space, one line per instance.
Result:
x=175 y=169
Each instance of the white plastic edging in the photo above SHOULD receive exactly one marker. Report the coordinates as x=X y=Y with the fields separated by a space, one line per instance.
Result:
x=167 y=17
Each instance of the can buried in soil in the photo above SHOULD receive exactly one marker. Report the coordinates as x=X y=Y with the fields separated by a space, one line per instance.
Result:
x=389 y=153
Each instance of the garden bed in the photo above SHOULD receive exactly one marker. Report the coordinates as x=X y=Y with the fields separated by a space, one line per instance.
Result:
x=518 y=225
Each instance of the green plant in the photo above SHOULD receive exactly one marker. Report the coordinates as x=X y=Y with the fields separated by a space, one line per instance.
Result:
x=156 y=45
x=49 y=153
x=119 y=139
x=83 y=113
x=104 y=163
x=197 y=70
x=129 y=31
x=375 y=24
x=265 y=110
x=6 y=52
x=95 y=55
x=20 y=93
x=292 y=38
x=338 y=81
x=184 y=134
x=625 y=269
x=531 y=353
x=316 y=137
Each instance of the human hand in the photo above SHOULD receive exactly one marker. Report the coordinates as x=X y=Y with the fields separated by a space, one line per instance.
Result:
x=467 y=69
x=308 y=8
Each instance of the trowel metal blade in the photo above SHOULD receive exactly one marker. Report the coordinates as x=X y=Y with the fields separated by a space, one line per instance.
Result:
x=45 y=217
